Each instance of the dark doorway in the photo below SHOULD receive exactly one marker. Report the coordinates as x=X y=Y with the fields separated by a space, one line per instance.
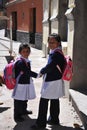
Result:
x=14 y=26
x=32 y=25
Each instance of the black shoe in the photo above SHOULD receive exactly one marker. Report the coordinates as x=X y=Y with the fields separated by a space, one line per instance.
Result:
x=27 y=112
x=1 y=103
x=19 y=119
x=37 y=127
x=53 y=122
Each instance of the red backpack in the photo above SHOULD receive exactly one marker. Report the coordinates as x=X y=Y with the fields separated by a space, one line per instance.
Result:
x=68 y=68
x=9 y=75
x=67 y=74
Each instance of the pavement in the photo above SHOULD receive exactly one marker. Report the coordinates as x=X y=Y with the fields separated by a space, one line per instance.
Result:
x=69 y=120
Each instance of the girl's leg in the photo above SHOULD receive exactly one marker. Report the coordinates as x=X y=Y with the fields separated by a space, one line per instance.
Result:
x=42 y=114
x=24 y=106
x=25 y=111
x=54 y=111
x=18 y=110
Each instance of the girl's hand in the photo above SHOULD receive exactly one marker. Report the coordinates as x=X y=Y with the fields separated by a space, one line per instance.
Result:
x=39 y=75
x=1 y=80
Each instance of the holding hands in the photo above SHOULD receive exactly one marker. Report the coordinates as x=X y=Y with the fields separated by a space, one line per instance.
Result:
x=39 y=75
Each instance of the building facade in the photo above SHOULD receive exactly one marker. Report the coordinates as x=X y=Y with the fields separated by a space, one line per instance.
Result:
x=3 y=22
x=54 y=20
x=26 y=21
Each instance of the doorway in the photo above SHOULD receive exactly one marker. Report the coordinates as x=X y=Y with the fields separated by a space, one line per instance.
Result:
x=14 y=26
x=32 y=25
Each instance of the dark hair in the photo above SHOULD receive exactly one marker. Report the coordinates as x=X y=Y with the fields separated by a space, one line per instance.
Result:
x=56 y=36
x=23 y=46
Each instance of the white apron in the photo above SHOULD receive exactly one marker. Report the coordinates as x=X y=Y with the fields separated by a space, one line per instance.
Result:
x=52 y=89
x=24 y=91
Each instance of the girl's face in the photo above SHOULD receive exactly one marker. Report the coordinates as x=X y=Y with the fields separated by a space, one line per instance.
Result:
x=52 y=43
x=25 y=52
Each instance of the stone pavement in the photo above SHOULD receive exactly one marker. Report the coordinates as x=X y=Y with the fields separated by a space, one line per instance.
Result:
x=68 y=117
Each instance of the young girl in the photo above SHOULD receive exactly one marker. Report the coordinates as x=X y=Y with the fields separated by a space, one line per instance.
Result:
x=21 y=92
x=52 y=87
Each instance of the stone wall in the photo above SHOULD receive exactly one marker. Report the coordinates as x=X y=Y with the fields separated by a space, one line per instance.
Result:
x=38 y=40
x=25 y=37
x=80 y=47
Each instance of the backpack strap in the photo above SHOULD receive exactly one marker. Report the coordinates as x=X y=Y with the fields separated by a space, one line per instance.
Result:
x=60 y=51
x=58 y=67
x=19 y=75
x=22 y=60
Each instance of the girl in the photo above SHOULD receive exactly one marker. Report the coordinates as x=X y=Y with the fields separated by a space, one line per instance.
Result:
x=21 y=92
x=52 y=87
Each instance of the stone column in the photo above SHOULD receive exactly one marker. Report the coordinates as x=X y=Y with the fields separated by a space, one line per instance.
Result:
x=79 y=80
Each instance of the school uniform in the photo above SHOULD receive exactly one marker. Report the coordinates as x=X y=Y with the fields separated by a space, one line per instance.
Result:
x=24 y=89
x=52 y=88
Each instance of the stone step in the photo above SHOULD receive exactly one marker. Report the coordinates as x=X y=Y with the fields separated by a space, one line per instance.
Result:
x=79 y=101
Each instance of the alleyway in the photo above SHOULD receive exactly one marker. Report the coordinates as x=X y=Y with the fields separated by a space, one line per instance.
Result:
x=67 y=114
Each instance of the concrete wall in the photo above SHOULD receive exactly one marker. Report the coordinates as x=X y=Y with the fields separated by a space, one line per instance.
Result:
x=62 y=20
x=45 y=23
x=54 y=11
x=70 y=38
x=38 y=40
x=70 y=27
x=54 y=26
x=45 y=37
x=80 y=46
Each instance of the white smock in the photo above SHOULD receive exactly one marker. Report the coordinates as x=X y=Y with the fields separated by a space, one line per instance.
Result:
x=24 y=91
x=52 y=89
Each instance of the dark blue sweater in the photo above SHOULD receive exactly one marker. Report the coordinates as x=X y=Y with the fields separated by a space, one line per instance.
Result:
x=21 y=66
x=50 y=69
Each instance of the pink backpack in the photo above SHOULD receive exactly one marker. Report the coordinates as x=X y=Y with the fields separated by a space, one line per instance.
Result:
x=67 y=73
x=9 y=75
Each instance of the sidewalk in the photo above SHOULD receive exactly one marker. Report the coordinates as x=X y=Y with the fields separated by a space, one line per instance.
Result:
x=67 y=116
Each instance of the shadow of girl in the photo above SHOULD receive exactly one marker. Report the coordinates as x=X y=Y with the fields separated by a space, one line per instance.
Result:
x=64 y=128
x=25 y=125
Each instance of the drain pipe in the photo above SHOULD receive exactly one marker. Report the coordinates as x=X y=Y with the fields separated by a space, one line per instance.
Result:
x=11 y=42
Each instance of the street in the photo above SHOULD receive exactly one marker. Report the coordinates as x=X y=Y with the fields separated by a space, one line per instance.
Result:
x=68 y=117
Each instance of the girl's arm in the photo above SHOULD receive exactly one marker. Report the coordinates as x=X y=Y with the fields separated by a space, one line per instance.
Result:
x=33 y=74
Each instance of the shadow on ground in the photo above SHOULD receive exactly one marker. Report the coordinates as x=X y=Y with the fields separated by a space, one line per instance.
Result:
x=64 y=128
x=2 y=109
x=26 y=125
